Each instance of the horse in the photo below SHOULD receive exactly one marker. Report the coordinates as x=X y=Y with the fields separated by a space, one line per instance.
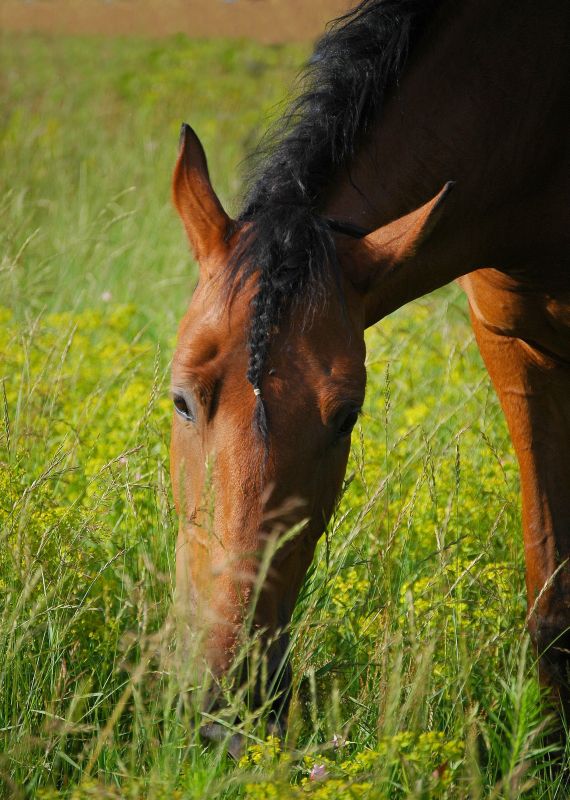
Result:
x=428 y=144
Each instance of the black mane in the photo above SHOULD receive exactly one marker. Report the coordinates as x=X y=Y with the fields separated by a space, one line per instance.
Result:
x=289 y=247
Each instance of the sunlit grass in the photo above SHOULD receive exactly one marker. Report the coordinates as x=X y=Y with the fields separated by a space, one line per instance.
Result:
x=412 y=674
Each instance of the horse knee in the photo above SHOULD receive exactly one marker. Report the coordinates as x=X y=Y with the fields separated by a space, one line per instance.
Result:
x=550 y=634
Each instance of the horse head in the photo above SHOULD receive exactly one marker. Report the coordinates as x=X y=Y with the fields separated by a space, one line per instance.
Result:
x=259 y=452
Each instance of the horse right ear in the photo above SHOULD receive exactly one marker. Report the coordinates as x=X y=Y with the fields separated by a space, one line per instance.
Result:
x=207 y=224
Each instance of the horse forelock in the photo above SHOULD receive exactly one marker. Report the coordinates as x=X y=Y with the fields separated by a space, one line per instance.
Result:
x=288 y=248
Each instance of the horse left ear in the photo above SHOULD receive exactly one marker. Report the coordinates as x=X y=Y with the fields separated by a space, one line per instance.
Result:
x=206 y=223
x=385 y=265
x=403 y=238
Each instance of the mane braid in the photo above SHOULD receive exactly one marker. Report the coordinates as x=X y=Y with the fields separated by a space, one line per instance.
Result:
x=287 y=246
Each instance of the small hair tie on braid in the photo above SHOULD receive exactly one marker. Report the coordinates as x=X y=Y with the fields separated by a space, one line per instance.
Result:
x=257 y=391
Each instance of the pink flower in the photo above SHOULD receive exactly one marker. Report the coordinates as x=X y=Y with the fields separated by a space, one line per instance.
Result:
x=318 y=773
x=106 y=297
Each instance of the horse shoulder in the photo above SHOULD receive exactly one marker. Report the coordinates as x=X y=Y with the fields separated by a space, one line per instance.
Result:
x=538 y=313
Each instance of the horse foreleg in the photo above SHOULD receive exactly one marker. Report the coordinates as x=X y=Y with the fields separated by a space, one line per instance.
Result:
x=534 y=391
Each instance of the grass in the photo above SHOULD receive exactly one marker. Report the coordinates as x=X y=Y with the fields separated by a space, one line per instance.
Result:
x=413 y=675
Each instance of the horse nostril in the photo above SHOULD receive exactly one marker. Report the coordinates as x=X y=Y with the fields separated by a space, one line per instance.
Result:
x=219 y=734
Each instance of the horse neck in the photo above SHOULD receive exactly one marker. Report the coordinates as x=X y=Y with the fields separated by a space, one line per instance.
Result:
x=470 y=108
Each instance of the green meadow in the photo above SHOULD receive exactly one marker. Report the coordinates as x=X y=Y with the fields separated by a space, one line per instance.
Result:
x=413 y=677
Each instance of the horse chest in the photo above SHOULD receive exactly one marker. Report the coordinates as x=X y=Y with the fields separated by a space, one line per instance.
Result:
x=509 y=308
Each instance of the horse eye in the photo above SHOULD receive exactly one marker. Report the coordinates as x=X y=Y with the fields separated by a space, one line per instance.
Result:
x=348 y=423
x=182 y=408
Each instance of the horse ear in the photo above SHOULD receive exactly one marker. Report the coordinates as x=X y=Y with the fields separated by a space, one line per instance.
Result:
x=403 y=238
x=384 y=259
x=207 y=224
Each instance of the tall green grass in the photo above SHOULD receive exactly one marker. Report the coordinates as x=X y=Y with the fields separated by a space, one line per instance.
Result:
x=413 y=678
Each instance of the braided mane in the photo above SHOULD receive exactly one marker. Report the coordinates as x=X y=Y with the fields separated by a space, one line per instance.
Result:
x=288 y=247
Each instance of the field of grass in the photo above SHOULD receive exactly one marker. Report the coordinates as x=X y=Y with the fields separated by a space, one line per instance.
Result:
x=413 y=678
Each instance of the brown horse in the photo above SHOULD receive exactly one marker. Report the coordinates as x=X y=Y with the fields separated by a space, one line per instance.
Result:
x=350 y=216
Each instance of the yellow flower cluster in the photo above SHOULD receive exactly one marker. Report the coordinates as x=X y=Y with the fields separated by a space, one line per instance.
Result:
x=262 y=753
x=348 y=589
x=463 y=590
x=85 y=421
x=401 y=759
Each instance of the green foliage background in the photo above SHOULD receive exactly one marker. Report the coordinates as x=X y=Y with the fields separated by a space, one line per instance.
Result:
x=412 y=672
